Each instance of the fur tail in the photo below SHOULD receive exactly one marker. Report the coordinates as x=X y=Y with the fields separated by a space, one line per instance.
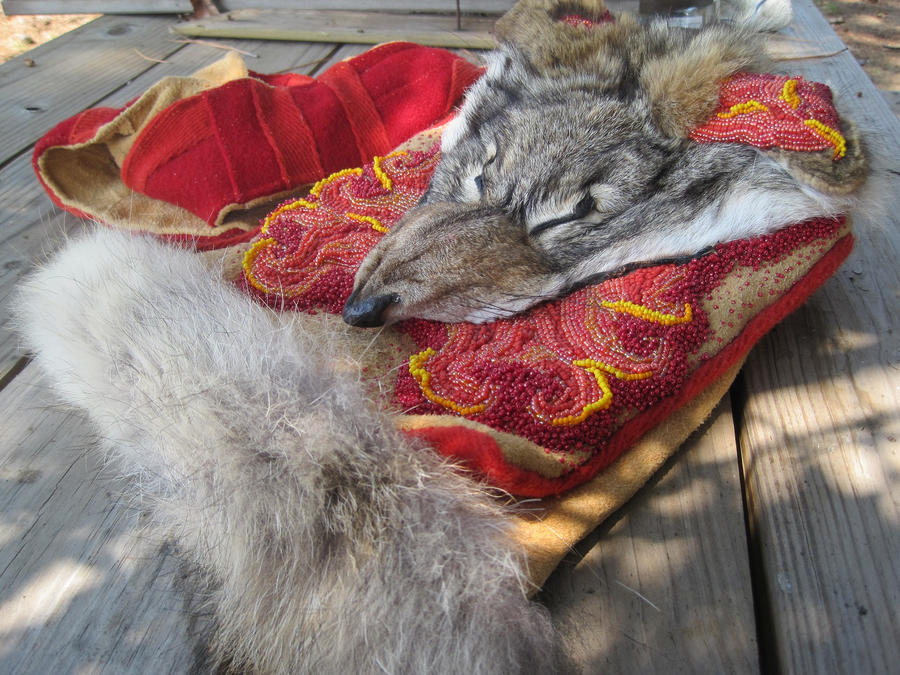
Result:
x=330 y=544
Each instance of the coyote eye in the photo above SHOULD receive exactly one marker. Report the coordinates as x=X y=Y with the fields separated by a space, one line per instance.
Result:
x=584 y=207
x=479 y=183
x=581 y=210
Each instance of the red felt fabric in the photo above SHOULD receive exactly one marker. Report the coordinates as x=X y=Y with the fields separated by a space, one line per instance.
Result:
x=473 y=449
x=77 y=129
x=259 y=136
x=262 y=135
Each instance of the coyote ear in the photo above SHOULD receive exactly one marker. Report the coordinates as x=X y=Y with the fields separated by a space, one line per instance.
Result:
x=551 y=32
x=684 y=85
x=529 y=20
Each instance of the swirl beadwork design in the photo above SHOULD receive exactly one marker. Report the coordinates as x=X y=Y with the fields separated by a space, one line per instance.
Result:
x=767 y=111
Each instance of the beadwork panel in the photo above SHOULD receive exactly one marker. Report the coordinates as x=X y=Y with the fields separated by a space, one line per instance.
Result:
x=566 y=377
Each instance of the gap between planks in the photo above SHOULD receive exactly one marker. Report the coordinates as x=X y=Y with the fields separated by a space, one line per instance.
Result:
x=371 y=28
x=663 y=585
x=821 y=421
x=75 y=73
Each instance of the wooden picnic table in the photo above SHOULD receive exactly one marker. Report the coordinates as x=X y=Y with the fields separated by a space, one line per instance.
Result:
x=770 y=542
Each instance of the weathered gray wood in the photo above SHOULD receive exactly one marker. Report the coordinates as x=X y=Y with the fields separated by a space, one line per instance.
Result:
x=31 y=227
x=79 y=590
x=820 y=429
x=96 y=7
x=184 y=6
x=336 y=26
x=261 y=56
x=341 y=54
x=819 y=439
x=74 y=72
x=665 y=589
x=496 y=6
x=347 y=51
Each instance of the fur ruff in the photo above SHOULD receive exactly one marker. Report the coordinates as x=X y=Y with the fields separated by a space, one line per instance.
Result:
x=681 y=71
x=571 y=161
x=328 y=542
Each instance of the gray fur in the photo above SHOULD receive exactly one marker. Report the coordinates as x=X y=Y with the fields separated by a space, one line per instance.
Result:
x=575 y=157
x=330 y=542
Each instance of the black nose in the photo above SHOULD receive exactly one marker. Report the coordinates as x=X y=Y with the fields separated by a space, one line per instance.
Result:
x=368 y=312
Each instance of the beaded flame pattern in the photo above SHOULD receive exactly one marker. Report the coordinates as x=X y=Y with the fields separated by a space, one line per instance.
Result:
x=563 y=374
x=308 y=249
x=769 y=111
x=567 y=375
x=607 y=347
x=573 y=346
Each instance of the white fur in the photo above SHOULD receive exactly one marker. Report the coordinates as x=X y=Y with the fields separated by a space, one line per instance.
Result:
x=329 y=542
x=461 y=123
x=762 y=15
x=745 y=213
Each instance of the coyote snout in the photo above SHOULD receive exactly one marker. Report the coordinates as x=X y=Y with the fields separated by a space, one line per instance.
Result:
x=453 y=262
x=570 y=160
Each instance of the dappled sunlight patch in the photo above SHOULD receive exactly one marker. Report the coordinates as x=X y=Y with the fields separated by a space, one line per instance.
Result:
x=47 y=595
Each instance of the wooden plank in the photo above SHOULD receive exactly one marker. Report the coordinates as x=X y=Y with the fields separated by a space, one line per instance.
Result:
x=79 y=592
x=31 y=227
x=343 y=53
x=73 y=72
x=350 y=50
x=821 y=422
x=666 y=587
x=495 y=6
x=260 y=55
x=337 y=26
x=13 y=7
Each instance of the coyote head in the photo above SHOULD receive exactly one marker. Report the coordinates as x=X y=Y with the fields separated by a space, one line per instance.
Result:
x=569 y=162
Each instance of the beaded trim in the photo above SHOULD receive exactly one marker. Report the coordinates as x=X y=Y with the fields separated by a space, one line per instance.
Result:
x=649 y=314
x=567 y=375
x=578 y=20
x=563 y=373
x=768 y=111
x=423 y=377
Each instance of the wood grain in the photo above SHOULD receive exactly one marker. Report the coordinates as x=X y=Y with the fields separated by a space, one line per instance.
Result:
x=31 y=227
x=184 y=6
x=12 y=7
x=818 y=430
x=350 y=27
x=79 y=590
x=666 y=586
x=260 y=56
x=821 y=421
x=73 y=72
x=497 y=6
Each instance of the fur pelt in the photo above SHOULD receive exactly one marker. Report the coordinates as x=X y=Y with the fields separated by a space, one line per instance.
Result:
x=329 y=542
x=571 y=161
x=681 y=72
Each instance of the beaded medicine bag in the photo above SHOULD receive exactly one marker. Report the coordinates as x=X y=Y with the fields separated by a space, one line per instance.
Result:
x=541 y=402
